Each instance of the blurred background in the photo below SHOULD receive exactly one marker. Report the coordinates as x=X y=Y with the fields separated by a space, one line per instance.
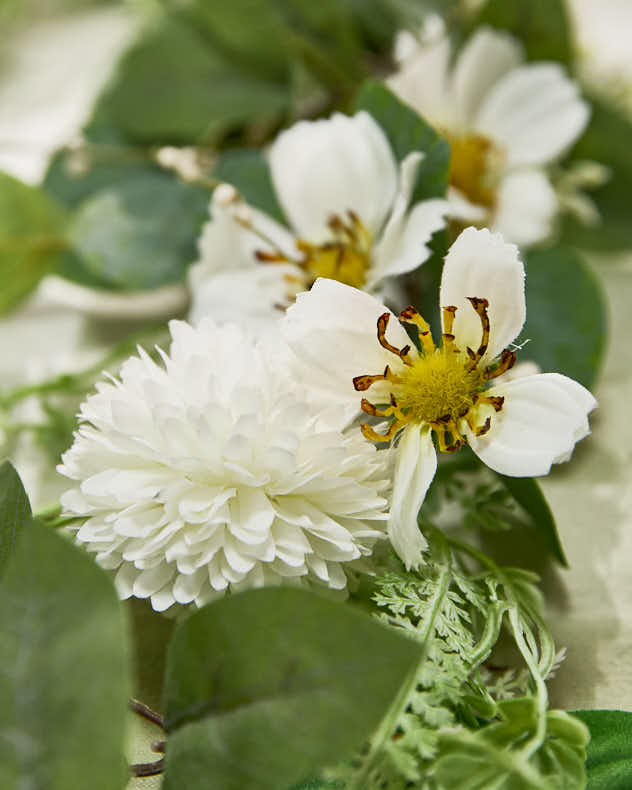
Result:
x=115 y=117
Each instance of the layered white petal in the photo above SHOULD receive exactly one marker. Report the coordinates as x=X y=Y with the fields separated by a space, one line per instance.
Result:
x=422 y=81
x=333 y=327
x=526 y=207
x=542 y=418
x=402 y=246
x=486 y=57
x=535 y=112
x=331 y=166
x=415 y=467
x=216 y=473
x=480 y=264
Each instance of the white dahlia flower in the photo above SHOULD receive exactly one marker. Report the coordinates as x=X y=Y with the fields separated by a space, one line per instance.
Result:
x=456 y=390
x=506 y=121
x=212 y=473
x=347 y=203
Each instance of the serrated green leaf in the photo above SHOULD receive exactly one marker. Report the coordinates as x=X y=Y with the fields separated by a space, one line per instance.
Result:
x=63 y=677
x=566 y=315
x=248 y=170
x=607 y=141
x=32 y=228
x=142 y=233
x=407 y=131
x=542 y=25
x=15 y=511
x=609 y=762
x=528 y=494
x=266 y=687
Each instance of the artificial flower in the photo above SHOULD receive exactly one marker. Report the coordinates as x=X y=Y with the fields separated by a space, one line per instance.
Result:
x=506 y=122
x=347 y=203
x=456 y=390
x=213 y=473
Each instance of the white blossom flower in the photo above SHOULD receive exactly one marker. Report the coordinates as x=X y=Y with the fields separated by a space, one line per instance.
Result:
x=506 y=121
x=456 y=390
x=348 y=207
x=213 y=473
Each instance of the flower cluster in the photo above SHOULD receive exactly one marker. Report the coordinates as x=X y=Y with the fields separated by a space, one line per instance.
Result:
x=283 y=457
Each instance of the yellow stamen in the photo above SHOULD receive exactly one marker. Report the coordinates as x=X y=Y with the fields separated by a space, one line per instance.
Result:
x=473 y=166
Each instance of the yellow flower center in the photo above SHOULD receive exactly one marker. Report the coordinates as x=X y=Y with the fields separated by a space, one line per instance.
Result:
x=473 y=163
x=345 y=257
x=442 y=387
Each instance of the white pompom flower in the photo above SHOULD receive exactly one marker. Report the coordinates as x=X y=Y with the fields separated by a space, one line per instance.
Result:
x=348 y=206
x=214 y=474
x=506 y=122
x=455 y=391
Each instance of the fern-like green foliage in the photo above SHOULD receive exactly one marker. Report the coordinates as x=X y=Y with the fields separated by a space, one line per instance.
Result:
x=459 y=723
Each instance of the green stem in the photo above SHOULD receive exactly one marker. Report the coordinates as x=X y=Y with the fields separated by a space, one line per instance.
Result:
x=389 y=722
x=49 y=512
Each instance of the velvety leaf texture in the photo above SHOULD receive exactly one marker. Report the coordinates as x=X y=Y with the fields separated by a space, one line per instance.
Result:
x=63 y=669
x=609 y=761
x=266 y=687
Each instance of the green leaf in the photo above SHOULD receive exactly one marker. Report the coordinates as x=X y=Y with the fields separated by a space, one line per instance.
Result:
x=528 y=494
x=266 y=687
x=542 y=25
x=32 y=240
x=142 y=233
x=173 y=86
x=15 y=511
x=406 y=131
x=63 y=677
x=566 y=315
x=607 y=141
x=609 y=762
x=248 y=170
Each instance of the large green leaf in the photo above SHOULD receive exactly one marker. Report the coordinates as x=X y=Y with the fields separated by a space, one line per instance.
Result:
x=173 y=86
x=248 y=170
x=266 y=687
x=529 y=496
x=406 y=132
x=15 y=511
x=609 y=762
x=566 y=315
x=542 y=25
x=63 y=669
x=32 y=240
x=607 y=141
x=142 y=233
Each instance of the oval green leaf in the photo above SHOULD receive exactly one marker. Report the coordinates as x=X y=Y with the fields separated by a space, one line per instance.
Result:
x=63 y=678
x=266 y=687
x=15 y=511
x=609 y=762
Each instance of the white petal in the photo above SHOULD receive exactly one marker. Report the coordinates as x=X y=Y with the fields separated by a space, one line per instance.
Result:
x=326 y=167
x=487 y=56
x=526 y=207
x=402 y=246
x=255 y=296
x=480 y=264
x=542 y=418
x=333 y=328
x=415 y=467
x=534 y=112
x=422 y=82
x=463 y=209
x=225 y=244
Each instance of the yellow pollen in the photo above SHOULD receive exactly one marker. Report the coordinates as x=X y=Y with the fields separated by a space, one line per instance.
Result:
x=438 y=386
x=346 y=257
x=442 y=387
x=471 y=167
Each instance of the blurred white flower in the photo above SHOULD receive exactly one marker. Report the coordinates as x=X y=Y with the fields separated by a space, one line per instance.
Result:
x=347 y=203
x=506 y=121
x=214 y=473
x=518 y=427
